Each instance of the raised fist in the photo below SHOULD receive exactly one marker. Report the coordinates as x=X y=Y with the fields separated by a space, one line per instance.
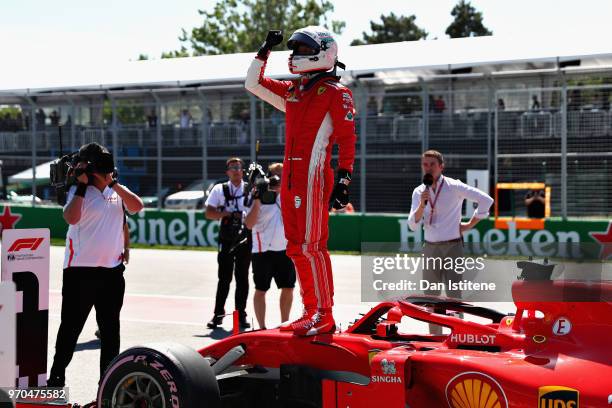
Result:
x=273 y=38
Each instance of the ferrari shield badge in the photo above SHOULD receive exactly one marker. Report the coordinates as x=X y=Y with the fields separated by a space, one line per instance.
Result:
x=371 y=354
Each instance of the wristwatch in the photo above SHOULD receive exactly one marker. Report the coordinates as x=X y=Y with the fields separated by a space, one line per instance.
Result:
x=112 y=183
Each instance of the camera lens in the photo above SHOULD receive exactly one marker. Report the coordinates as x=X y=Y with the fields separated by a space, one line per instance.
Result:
x=274 y=181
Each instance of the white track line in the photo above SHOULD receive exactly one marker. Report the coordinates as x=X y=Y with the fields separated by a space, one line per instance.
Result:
x=153 y=295
x=177 y=323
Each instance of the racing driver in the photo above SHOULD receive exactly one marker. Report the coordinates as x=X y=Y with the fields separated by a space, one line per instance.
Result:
x=319 y=113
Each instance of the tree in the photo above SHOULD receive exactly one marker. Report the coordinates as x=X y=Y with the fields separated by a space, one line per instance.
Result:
x=241 y=25
x=392 y=29
x=176 y=53
x=128 y=112
x=467 y=22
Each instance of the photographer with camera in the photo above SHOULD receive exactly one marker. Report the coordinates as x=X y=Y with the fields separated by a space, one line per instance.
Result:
x=95 y=250
x=269 y=257
x=226 y=203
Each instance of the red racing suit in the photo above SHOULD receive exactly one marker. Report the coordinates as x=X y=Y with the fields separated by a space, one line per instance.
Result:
x=317 y=116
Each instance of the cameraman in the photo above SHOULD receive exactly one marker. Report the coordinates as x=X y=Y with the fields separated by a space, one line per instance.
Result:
x=270 y=259
x=93 y=267
x=226 y=203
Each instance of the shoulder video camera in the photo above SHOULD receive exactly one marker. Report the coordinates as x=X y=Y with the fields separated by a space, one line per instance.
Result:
x=64 y=172
x=61 y=175
x=260 y=182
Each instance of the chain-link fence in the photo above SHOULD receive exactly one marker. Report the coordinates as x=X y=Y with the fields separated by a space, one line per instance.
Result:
x=164 y=142
x=561 y=137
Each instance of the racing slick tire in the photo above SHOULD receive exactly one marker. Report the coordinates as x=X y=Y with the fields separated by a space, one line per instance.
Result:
x=165 y=375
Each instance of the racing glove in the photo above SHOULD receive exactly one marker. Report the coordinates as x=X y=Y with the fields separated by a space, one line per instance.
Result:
x=273 y=38
x=340 y=195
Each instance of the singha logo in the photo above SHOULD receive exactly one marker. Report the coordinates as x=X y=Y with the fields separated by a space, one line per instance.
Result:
x=388 y=367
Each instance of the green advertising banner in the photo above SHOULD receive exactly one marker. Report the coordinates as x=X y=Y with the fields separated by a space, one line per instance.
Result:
x=25 y=216
x=166 y=227
x=348 y=234
x=347 y=231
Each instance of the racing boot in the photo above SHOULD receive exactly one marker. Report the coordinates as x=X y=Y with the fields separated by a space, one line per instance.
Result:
x=243 y=322
x=321 y=322
x=215 y=321
x=306 y=316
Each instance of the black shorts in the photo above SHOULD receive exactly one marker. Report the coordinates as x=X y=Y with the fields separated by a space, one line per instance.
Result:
x=273 y=264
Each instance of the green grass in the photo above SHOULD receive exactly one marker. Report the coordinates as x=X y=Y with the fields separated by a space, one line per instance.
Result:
x=58 y=242
x=62 y=242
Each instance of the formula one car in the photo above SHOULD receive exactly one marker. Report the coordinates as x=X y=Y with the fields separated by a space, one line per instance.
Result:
x=553 y=353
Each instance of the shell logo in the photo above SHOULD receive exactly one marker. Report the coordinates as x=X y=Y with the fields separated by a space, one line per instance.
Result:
x=475 y=390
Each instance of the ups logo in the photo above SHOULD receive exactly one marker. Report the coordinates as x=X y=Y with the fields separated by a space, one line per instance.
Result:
x=558 y=397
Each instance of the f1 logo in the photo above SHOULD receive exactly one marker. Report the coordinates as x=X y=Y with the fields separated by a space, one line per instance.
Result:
x=25 y=243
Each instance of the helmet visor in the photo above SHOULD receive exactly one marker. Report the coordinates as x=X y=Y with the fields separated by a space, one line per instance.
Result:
x=302 y=44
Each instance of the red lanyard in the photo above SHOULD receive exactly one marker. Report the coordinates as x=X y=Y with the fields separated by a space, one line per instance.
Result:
x=433 y=204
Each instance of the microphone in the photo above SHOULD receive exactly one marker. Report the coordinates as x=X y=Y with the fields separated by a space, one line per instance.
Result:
x=428 y=180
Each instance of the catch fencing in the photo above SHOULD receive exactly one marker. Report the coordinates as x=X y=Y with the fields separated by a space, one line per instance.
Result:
x=163 y=142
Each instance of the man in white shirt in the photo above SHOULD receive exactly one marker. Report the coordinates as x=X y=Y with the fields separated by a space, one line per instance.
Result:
x=269 y=257
x=226 y=204
x=185 y=119
x=93 y=262
x=438 y=209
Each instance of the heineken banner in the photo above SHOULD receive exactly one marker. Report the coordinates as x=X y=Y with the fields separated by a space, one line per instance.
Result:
x=347 y=231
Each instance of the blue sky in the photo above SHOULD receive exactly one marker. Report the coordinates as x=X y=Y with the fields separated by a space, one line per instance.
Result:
x=112 y=30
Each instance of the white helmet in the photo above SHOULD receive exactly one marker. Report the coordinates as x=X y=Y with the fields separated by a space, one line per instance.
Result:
x=323 y=53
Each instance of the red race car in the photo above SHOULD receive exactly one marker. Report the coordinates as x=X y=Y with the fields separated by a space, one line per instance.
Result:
x=555 y=352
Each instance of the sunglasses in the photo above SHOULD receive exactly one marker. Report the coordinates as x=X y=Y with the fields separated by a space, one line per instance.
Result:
x=235 y=168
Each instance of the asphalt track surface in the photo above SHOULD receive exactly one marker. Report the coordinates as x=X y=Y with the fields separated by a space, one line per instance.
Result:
x=170 y=297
